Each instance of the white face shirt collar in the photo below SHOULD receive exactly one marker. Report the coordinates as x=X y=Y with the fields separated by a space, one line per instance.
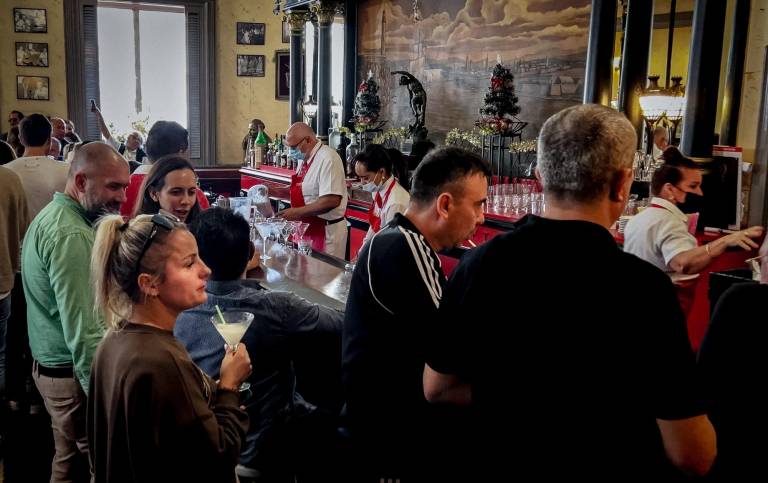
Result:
x=671 y=207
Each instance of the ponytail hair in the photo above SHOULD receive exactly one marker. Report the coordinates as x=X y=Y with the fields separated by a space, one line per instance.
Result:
x=115 y=264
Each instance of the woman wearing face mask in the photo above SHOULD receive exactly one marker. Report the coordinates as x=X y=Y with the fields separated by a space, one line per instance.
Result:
x=375 y=169
x=171 y=185
x=660 y=233
x=153 y=415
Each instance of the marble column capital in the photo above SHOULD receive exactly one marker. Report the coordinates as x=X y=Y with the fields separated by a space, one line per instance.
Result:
x=326 y=11
x=297 y=20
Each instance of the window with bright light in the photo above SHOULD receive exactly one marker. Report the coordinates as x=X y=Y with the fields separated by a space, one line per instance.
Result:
x=142 y=65
x=337 y=66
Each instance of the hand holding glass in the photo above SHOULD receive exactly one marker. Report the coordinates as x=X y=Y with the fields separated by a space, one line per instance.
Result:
x=232 y=325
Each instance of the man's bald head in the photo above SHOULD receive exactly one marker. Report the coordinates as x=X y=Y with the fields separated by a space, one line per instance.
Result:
x=301 y=137
x=54 y=148
x=59 y=127
x=92 y=157
x=98 y=176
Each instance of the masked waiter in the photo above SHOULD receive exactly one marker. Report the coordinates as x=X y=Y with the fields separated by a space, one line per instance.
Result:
x=318 y=191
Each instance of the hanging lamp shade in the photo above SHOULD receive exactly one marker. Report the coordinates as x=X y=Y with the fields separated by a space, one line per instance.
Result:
x=657 y=102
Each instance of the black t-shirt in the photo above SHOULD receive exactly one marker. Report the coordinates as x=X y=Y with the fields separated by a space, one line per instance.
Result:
x=573 y=349
x=733 y=366
x=396 y=288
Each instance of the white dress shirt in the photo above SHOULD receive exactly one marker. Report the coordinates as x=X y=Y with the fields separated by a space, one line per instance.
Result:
x=396 y=203
x=657 y=235
x=325 y=177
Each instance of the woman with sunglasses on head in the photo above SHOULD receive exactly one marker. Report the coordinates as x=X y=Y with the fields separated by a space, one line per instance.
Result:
x=153 y=415
x=660 y=235
x=171 y=185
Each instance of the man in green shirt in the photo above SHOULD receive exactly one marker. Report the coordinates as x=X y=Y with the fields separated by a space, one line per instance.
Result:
x=64 y=327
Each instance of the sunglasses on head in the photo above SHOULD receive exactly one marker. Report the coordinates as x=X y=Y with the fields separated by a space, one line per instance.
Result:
x=164 y=220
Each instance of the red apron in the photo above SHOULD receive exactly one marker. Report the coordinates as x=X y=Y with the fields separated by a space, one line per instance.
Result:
x=686 y=290
x=373 y=219
x=316 y=230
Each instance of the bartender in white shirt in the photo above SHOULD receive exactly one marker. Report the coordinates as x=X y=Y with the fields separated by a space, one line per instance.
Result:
x=659 y=234
x=318 y=192
x=375 y=168
x=660 y=141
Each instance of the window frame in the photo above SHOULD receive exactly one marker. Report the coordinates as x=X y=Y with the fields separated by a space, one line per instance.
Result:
x=81 y=41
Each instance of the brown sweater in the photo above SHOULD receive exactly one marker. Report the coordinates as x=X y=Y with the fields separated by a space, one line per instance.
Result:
x=14 y=220
x=154 y=416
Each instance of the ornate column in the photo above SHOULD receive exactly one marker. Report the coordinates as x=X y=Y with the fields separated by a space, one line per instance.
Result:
x=703 y=78
x=732 y=96
x=634 y=64
x=325 y=11
x=350 y=60
x=296 y=20
x=599 y=71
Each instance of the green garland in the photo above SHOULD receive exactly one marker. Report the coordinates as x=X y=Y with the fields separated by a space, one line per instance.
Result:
x=391 y=136
x=470 y=140
x=527 y=146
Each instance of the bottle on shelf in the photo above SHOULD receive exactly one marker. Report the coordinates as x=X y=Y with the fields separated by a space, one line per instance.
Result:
x=248 y=161
x=352 y=151
x=259 y=149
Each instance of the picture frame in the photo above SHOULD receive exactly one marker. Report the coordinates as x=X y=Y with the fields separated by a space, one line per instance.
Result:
x=32 y=88
x=248 y=33
x=30 y=20
x=282 y=75
x=286 y=32
x=250 y=65
x=31 y=54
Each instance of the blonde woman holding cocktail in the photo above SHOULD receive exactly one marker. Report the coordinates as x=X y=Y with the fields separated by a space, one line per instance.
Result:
x=153 y=415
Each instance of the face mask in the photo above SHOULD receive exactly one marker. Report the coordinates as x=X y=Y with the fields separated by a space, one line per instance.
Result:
x=297 y=155
x=372 y=187
x=693 y=203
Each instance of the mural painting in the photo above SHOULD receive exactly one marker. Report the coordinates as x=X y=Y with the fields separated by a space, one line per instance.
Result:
x=451 y=46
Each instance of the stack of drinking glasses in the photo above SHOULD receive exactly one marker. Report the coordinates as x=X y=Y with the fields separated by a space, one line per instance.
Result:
x=643 y=166
x=515 y=199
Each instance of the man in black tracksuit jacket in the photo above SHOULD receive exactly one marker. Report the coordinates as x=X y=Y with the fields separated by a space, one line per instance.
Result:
x=396 y=288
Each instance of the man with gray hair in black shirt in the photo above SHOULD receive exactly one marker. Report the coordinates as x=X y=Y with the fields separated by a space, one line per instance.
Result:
x=589 y=371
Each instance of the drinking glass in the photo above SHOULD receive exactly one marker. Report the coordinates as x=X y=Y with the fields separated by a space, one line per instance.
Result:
x=265 y=232
x=231 y=329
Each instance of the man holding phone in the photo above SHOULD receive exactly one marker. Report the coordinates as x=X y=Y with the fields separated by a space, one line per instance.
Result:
x=131 y=149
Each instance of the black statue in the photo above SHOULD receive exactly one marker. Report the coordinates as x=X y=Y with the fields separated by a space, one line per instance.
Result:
x=418 y=100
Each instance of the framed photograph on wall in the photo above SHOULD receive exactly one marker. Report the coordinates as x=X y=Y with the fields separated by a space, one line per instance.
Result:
x=250 y=65
x=31 y=54
x=286 y=32
x=282 y=74
x=250 y=33
x=30 y=20
x=33 y=88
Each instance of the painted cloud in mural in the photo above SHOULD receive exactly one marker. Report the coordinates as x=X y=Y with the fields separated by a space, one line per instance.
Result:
x=510 y=28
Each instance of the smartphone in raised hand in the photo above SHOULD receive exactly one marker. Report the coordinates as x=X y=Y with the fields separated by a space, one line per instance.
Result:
x=93 y=106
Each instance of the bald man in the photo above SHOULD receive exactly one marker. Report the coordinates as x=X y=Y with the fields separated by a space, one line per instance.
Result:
x=59 y=127
x=54 y=149
x=64 y=329
x=318 y=192
x=660 y=141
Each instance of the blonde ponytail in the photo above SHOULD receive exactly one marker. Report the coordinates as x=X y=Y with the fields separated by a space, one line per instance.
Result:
x=117 y=262
x=109 y=296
